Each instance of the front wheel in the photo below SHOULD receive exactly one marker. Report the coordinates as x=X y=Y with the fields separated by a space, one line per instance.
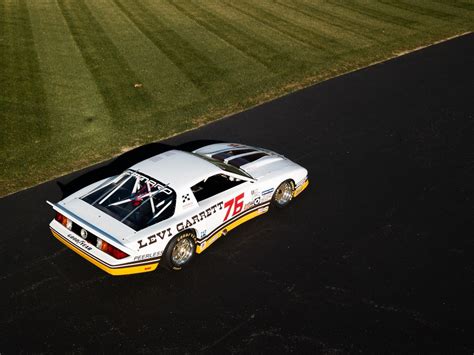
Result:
x=283 y=194
x=180 y=251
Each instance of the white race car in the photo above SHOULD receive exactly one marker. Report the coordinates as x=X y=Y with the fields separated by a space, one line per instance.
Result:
x=173 y=205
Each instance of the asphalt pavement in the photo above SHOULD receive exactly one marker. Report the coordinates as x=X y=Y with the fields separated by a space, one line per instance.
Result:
x=375 y=256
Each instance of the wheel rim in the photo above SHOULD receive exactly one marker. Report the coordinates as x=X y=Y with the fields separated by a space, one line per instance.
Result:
x=182 y=252
x=284 y=193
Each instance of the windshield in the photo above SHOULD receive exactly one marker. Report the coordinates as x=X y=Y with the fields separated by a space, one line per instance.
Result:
x=226 y=167
x=134 y=199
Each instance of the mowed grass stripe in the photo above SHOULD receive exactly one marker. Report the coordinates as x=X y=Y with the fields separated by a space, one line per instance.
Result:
x=455 y=13
x=351 y=28
x=163 y=80
x=375 y=25
x=314 y=40
x=343 y=39
x=199 y=69
x=419 y=10
x=66 y=77
x=112 y=74
x=279 y=47
x=411 y=13
x=246 y=42
x=24 y=120
x=234 y=65
x=283 y=52
x=367 y=10
x=462 y=5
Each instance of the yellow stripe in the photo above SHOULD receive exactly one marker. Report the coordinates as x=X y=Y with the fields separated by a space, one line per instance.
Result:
x=300 y=188
x=217 y=235
x=111 y=271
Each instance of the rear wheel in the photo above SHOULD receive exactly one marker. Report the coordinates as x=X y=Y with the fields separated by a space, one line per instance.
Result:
x=283 y=194
x=180 y=251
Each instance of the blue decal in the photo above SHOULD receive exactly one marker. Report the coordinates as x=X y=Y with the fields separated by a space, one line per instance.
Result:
x=269 y=191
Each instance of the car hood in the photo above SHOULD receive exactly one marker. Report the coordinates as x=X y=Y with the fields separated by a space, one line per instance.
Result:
x=270 y=163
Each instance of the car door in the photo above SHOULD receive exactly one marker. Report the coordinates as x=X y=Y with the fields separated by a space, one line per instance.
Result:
x=221 y=199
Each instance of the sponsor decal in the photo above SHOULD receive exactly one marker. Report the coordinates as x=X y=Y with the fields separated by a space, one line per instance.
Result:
x=80 y=242
x=269 y=191
x=186 y=198
x=189 y=222
x=199 y=217
x=147 y=256
x=267 y=194
x=153 y=238
x=256 y=201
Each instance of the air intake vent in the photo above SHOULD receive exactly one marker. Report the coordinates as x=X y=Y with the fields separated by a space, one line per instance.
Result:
x=231 y=153
x=238 y=162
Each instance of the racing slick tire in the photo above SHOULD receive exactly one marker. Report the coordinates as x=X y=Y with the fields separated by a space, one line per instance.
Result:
x=283 y=194
x=180 y=251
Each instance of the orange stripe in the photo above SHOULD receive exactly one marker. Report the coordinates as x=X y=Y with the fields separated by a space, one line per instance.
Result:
x=300 y=188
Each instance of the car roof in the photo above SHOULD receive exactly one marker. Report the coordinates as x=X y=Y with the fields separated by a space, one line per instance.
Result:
x=177 y=168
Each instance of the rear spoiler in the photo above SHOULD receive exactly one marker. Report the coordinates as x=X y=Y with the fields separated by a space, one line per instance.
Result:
x=74 y=217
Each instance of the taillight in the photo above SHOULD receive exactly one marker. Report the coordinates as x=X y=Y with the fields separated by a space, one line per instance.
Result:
x=66 y=222
x=118 y=254
x=59 y=217
x=110 y=249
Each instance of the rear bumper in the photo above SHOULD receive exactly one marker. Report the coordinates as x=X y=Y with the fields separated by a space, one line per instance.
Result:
x=120 y=269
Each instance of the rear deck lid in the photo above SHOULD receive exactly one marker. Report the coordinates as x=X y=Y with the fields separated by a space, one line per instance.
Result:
x=94 y=220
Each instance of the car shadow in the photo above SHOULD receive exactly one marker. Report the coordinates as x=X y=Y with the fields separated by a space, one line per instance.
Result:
x=72 y=183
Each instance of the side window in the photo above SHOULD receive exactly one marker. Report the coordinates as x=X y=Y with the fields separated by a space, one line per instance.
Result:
x=214 y=185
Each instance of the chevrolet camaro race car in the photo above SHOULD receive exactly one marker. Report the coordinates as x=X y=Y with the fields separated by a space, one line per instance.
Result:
x=169 y=207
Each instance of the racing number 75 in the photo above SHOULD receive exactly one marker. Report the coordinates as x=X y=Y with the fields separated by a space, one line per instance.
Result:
x=237 y=205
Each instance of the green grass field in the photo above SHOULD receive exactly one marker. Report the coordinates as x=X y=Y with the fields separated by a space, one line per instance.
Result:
x=84 y=80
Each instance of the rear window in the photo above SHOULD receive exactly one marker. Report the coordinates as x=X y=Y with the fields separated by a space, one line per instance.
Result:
x=238 y=162
x=134 y=199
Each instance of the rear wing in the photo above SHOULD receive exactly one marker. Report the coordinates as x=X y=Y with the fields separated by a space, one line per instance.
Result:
x=90 y=227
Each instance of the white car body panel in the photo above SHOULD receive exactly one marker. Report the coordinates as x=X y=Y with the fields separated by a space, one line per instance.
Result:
x=207 y=219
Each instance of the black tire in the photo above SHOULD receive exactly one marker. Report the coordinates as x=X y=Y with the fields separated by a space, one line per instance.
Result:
x=283 y=194
x=176 y=259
